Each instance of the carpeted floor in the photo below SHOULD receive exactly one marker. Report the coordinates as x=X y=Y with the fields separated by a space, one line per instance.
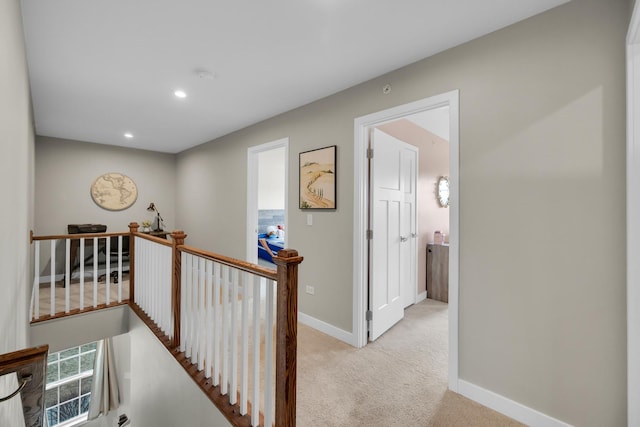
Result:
x=399 y=380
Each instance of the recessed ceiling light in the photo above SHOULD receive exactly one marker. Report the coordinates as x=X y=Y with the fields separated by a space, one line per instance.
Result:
x=128 y=135
x=180 y=94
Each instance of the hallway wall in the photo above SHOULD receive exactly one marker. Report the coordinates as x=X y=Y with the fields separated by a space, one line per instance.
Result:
x=542 y=178
x=16 y=217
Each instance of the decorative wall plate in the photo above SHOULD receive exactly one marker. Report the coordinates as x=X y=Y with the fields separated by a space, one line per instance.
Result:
x=114 y=191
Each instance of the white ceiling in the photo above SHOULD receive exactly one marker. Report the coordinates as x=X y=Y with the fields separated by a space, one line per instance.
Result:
x=100 y=68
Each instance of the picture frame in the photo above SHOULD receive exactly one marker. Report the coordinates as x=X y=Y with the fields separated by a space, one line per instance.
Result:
x=318 y=178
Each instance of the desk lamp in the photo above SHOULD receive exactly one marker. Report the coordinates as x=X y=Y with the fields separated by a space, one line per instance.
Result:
x=158 y=222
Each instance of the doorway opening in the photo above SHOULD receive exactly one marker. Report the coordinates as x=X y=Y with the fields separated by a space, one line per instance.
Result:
x=362 y=192
x=267 y=190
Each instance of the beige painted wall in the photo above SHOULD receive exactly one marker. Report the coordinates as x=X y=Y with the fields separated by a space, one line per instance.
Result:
x=433 y=162
x=16 y=175
x=542 y=177
x=16 y=171
x=66 y=169
x=162 y=394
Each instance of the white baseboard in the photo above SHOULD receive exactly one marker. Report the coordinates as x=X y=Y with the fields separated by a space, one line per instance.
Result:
x=326 y=328
x=508 y=407
x=421 y=296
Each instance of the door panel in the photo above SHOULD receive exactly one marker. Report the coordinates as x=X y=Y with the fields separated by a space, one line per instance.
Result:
x=385 y=299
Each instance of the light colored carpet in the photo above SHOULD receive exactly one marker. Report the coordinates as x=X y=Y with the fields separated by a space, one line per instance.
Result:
x=74 y=294
x=399 y=380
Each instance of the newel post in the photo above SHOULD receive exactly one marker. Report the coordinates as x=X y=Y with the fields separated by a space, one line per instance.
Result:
x=133 y=228
x=286 y=336
x=178 y=237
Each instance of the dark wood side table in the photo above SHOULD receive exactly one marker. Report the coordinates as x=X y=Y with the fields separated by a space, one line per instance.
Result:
x=161 y=234
x=438 y=272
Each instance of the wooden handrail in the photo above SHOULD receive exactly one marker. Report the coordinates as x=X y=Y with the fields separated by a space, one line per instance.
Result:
x=232 y=262
x=154 y=239
x=76 y=236
x=29 y=362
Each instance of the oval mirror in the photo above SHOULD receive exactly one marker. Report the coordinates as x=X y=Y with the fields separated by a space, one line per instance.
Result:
x=443 y=191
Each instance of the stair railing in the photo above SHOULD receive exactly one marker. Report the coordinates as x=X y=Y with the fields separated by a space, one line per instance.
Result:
x=89 y=277
x=231 y=324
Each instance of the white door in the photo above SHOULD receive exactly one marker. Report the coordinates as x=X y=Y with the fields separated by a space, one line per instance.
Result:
x=387 y=267
x=408 y=225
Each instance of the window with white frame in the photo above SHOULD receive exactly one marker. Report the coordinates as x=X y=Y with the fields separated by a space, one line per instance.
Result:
x=68 y=390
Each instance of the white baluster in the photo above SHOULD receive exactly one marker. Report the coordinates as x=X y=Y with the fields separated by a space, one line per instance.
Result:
x=210 y=318
x=53 y=279
x=244 y=370
x=194 y=309
x=268 y=357
x=82 y=273
x=233 y=396
x=225 y=330
x=139 y=273
x=95 y=272
x=183 y=303
x=67 y=276
x=168 y=275
x=151 y=284
x=202 y=328
x=107 y=271
x=188 y=306
x=217 y=325
x=119 y=268
x=166 y=292
x=36 y=280
x=255 y=400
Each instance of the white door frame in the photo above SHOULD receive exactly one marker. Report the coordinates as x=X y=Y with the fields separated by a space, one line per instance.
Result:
x=252 y=192
x=633 y=219
x=360 y=221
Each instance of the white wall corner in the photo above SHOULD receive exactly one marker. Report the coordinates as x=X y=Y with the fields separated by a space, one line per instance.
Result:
x=508 y=407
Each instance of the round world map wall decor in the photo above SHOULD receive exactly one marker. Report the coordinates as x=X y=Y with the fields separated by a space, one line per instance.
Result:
x=114 y=191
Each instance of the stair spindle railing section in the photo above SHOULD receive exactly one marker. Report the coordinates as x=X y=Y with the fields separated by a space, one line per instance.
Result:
x=238 y=326
x=230 y=323
x=85 y=272
x=152 y=278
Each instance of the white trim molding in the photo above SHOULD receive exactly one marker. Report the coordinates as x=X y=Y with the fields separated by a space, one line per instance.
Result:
x=360 y=208
x=633 y=219
x=508 y=407
x=421 y=297
x=326 y=328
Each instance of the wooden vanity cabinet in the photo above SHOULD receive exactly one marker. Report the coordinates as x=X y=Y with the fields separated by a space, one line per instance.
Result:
x=438 y=272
